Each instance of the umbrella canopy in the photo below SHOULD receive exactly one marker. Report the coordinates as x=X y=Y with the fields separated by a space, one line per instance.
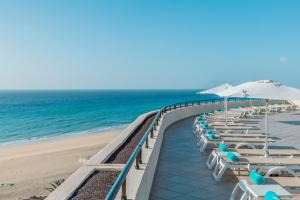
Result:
x=217 y=89
x=264 y=89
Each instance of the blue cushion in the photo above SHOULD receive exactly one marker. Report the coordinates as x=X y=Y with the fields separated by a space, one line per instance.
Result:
x=257 y=178
x=204 y=125
x=212 y=136
x=223 y=147
x=231 y=156
x=270 y=195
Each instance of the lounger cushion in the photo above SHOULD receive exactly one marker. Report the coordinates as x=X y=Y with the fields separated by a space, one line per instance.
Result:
x=231 y=156
x=204 y=125
x=257 y=178
x=212 y=136
x=270 y=195
x=199 y=118
x=223 y=147
x=203 y=122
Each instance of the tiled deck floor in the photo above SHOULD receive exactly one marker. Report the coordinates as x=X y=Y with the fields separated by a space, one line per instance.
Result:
x=181 y=172
x=286 y=126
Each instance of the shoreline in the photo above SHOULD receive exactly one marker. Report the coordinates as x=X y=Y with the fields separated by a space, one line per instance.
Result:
x=94 y=131
x=27 y=169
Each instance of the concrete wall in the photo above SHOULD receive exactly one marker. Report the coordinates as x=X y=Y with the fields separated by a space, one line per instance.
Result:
x=75 y=180
x=108 y=150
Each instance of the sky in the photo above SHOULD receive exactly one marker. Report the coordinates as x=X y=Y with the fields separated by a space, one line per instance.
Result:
x=157 y=44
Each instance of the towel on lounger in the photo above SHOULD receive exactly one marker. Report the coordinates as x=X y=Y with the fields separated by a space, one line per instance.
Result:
x=223 y=147
x=257 y=178
x=270 y=195
x=231 y=156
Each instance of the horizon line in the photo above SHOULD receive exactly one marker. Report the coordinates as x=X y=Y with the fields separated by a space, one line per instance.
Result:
x=97 y=89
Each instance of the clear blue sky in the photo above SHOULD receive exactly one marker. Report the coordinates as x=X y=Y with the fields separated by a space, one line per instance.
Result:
x=147 y=44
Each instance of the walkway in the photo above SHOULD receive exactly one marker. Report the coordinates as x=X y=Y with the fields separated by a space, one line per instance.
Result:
x=181 y=172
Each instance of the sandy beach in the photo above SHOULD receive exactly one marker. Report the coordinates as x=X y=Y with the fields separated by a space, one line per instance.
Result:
x=26 y=170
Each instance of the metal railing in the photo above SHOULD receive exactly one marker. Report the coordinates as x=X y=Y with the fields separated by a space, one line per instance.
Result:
x=136 y=156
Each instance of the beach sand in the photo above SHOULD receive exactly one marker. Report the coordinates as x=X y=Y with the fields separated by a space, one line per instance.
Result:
x=26 y=170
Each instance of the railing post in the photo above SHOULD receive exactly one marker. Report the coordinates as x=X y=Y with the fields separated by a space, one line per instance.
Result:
x=138 y=160
x=124 y=195
x=151 y=133
x=140 y=157
x=147 y=143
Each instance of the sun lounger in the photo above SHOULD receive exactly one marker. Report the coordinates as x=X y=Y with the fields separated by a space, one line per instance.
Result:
x=233 y=127
x=218 y=153
x=282 y=187
x=221 y=123
x=230 y=141
x=253 y=162
x=237 y=134
x=198 y=130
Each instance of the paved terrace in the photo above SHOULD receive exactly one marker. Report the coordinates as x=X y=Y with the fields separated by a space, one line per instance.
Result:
x=181 y=171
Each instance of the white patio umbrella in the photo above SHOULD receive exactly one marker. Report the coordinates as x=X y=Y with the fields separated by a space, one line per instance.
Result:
x=217 y=90
x=263 y=89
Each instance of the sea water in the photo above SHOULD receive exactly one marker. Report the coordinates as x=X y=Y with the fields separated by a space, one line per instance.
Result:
x=27 y=116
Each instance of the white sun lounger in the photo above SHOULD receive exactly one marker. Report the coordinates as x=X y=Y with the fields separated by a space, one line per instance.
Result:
x=228 y=133
x=279 y=185
x=231 y=141
x=215 y=155
x=253 y=162
x=233 y=127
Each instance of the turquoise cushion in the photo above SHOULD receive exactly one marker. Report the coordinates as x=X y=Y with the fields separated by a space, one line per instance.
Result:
x=270 y=195
x=257 y=178
x=231 y=156
x=210 y=131
x=223 y=147
x=212 y=136
x=204 y=125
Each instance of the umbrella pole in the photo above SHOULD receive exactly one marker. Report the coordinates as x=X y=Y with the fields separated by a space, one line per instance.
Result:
x=225 y=105
x=266 y=130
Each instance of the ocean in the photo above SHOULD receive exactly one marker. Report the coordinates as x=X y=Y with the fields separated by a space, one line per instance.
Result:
x=27 y=116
